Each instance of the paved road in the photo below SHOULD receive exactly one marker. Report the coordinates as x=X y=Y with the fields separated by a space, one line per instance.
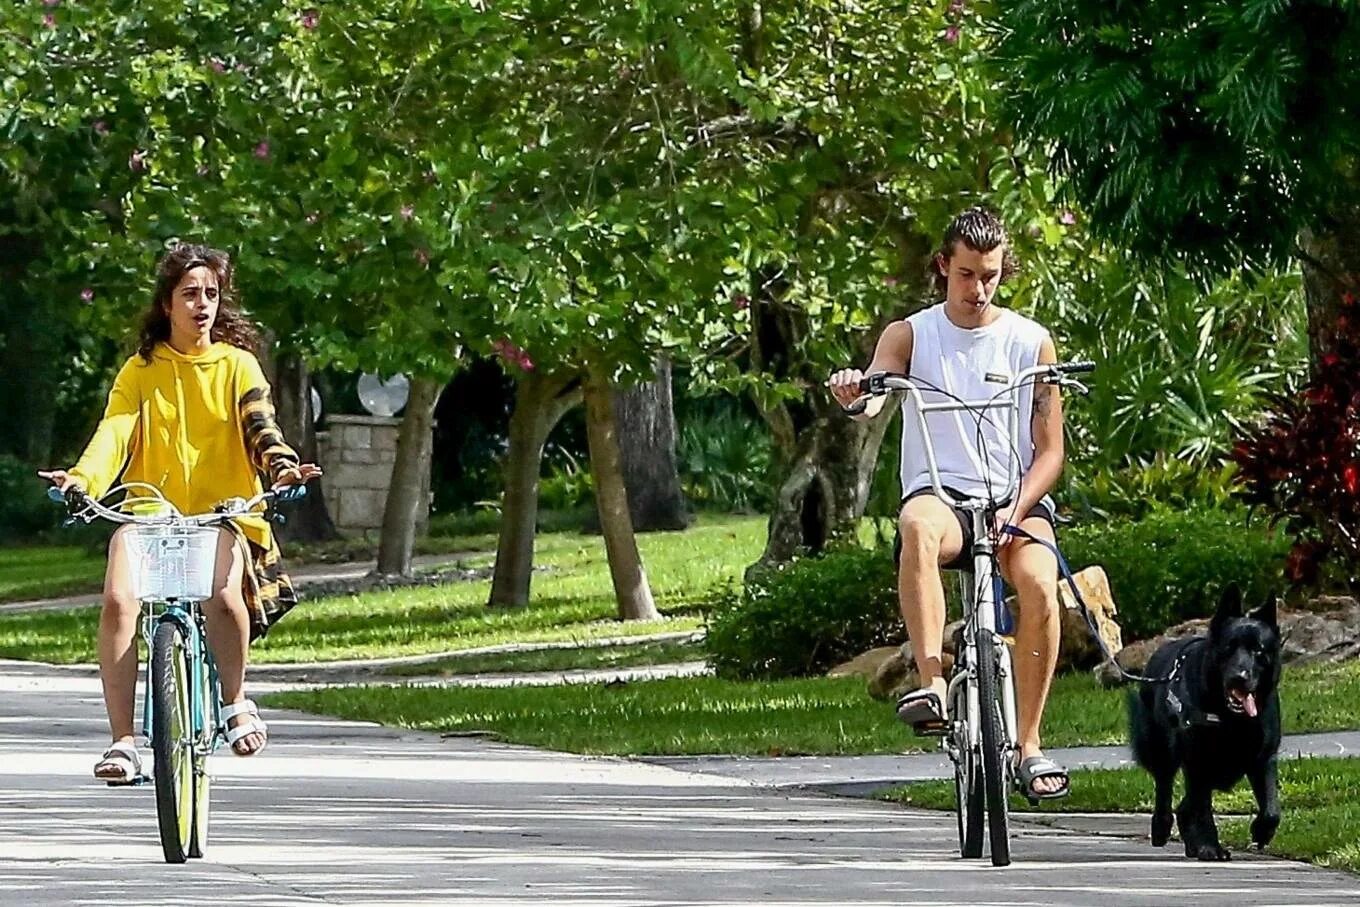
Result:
x=851 y=774
x=345 y=813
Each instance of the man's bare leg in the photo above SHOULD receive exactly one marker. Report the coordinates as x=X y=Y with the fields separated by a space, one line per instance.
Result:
x=1033 y=571
x=930 y=537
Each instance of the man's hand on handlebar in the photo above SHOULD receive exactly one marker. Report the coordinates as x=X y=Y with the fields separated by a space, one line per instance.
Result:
x=844 y=386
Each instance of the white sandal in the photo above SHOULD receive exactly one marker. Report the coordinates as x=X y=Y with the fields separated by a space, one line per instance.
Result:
x=254 y=726
x=125 y=759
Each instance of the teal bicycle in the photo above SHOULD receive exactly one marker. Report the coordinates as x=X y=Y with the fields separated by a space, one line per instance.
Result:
x=174 y=560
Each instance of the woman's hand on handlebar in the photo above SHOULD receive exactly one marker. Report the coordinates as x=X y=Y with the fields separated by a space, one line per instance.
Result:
x=296 y=475
x=844 y=385
x=61 y=479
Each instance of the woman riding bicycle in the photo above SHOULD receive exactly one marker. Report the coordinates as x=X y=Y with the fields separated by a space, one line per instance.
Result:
x=190 y=413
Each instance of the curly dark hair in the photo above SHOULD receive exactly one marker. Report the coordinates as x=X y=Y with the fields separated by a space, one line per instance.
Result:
x=230 y=326
x=982 y=231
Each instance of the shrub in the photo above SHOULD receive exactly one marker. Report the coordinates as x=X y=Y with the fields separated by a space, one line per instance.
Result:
x=1171 y=566
x=567 y=484
x=24 y=507
x=1165 y=481
x=807 y=616
x=1302 y=463
x=724 y=458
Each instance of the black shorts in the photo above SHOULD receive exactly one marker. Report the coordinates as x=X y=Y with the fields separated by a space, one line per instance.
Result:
x=964 y=560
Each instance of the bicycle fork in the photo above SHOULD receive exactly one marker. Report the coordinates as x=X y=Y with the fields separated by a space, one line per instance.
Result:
x=201 y=677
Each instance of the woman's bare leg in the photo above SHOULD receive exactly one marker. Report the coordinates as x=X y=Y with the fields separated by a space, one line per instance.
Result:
x=228 y=624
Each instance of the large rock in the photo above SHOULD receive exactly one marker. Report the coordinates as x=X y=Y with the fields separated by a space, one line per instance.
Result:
x=1329 y=630
x=1079 y=649
x=896 y=674
x=892 y=671
x=1325 y=629
x=865 y=664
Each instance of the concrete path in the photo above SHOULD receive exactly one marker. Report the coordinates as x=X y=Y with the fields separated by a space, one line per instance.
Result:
x=346 y=813
x=302 y=576
x=854 y=775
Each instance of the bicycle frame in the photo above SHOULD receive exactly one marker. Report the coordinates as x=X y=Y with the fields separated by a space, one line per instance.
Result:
x=174 y=561
x=983 y=596
x=203 y=679
x=977 y=741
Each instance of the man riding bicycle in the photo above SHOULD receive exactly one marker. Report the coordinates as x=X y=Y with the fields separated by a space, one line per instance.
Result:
x=969 y=348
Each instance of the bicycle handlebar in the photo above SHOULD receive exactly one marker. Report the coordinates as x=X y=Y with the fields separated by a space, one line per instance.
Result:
x=881 y=383
x=79 y=504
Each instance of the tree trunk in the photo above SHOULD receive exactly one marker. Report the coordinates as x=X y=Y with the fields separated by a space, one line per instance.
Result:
x=1331 y=275
x=540 y=402
x=826 y=458
x=625 y=565
x=409 y=474
x=831 y=468
x=309 y=521
x=645 y=417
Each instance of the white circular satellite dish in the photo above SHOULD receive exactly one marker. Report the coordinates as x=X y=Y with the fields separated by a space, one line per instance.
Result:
x=316 y=406
x=383 y=398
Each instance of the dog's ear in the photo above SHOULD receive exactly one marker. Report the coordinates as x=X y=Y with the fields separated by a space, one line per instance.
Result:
x=1229 y=606
x=1266 y=613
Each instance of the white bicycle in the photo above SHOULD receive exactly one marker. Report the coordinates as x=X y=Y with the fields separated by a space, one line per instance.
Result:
x=981 y=736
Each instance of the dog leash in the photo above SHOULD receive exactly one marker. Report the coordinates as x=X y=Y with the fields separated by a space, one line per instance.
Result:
x=1066 y=572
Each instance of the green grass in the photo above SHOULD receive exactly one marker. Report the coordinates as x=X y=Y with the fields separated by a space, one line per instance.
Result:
x=813 y=715
x=573 y=599
x=662 y=717
x=449 y=533
x=50 y=571
x=47 y=572
x=588 y=657
x=1320 y=797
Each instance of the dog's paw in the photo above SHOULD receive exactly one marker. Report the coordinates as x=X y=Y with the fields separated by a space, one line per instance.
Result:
x=1210 y=853
x=1161 y=830
x=1263 y=830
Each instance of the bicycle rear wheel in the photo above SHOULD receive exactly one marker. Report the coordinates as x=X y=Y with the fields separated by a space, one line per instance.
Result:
x=968 y=802
x=994 y=747
x=172 y=740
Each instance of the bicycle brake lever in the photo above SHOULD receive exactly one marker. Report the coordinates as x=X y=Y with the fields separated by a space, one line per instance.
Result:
x=1080 y=388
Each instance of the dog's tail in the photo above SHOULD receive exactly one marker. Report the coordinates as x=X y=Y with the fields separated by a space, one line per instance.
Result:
x=1140 y=727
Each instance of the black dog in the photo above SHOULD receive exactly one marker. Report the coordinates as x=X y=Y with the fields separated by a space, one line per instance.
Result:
x=1217 y=719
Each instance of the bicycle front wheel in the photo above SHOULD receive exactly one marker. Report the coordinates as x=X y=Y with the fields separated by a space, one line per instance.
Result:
x=205 y=730
x=994 y=749
x=172 y=739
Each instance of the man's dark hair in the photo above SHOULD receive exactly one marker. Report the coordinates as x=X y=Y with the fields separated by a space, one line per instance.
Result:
x=982 y=231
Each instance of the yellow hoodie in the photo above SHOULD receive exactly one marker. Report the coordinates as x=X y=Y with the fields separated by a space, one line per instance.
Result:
x=200 y=428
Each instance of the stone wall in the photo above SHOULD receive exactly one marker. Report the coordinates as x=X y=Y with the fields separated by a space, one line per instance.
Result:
x=356 y=454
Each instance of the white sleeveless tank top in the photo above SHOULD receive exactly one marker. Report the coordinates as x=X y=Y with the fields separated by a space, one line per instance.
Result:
x=973 y=364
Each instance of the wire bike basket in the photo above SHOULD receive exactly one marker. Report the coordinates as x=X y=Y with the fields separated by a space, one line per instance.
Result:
x=172 y=563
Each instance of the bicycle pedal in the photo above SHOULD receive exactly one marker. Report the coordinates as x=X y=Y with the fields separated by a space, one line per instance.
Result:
x=931 y=729
x=135 y=782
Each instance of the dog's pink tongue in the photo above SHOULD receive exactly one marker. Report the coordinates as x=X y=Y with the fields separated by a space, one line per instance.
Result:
x=1249 y=704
